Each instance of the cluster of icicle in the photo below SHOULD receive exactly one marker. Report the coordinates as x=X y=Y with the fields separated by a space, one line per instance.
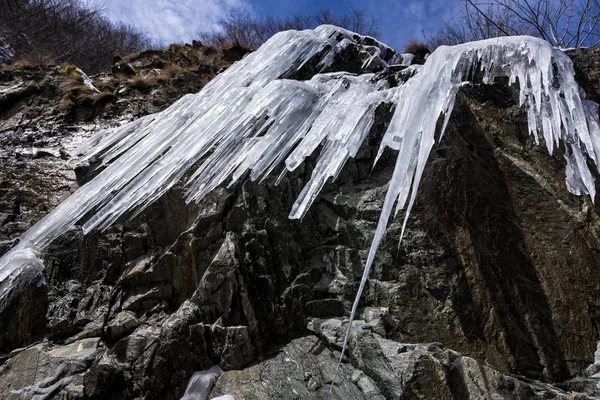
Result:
x=251 y=118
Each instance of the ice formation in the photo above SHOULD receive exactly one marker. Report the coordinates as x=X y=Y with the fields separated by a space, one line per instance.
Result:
x=201 y=383
x=257 y=116
x=87 y=81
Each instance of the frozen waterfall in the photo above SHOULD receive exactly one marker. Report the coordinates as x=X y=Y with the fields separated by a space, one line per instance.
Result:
x=258 y=116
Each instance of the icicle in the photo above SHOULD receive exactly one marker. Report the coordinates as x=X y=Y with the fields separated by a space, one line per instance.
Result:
x=248 y=117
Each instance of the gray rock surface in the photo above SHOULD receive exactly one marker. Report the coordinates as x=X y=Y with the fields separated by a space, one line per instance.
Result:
x=379 y=369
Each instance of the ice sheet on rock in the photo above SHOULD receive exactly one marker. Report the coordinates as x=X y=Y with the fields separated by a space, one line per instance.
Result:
x=87 y=81
x=406 y=58
x=21 y=258
x=201 y=383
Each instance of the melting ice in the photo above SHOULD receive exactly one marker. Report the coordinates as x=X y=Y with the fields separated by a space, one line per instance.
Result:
x=258 y=116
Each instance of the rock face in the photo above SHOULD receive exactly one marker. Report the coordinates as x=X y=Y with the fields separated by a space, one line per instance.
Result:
x=493 y=293
x=27 y=294
x=45 y=112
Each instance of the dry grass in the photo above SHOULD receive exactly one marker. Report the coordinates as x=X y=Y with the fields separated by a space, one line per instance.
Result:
x=105 y=86
x=73 y=81
x=71 y=100
x=145 y=83
x=26 y=64
x=77 y=94
x=129 y=57
x=66 y=103
x=73 y=85
x=179 y=69
x=172 y=71
x=417 y=48
x=99 y=99
x=70 y=70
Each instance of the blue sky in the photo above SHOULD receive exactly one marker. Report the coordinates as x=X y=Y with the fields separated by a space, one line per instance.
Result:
x=178 y=20
x=401 y=20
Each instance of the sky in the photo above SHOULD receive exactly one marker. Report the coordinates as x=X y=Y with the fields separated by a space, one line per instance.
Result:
x=177 y=21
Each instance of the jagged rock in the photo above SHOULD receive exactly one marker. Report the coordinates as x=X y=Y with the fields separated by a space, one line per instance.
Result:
x=16 y=93
x=182 y=349
x=587 y=65
x=385 y=369
x=233 y=345
x=23 y=304
x=121 y=325
x=42 y=371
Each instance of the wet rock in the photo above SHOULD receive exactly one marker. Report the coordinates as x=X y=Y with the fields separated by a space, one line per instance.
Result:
x=42 y=371
x=23 y=304
x=182 y=349
x=123 y=324
x=304 y=369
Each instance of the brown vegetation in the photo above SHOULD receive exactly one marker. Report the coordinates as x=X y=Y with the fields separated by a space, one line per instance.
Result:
x=76 y=94
x=154 y=80
x=23 y=63
x=417 y=48
x=146 y=83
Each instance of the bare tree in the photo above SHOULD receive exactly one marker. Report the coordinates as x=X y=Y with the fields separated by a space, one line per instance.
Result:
x=477 y=23
x=44 y=31
x=564 y=23
x=247 y=31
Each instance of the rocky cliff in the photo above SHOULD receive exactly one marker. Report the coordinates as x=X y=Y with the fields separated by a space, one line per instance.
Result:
x=493 y=293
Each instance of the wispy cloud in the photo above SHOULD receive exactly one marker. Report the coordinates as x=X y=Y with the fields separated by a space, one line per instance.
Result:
x=174 y=21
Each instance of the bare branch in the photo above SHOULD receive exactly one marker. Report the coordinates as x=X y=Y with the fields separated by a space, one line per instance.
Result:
x=487 y=18
x=563 y=23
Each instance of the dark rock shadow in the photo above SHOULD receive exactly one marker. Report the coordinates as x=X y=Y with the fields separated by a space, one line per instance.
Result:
x=499 y=299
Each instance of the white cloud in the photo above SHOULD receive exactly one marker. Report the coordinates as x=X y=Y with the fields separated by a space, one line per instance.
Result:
x=173 y=21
